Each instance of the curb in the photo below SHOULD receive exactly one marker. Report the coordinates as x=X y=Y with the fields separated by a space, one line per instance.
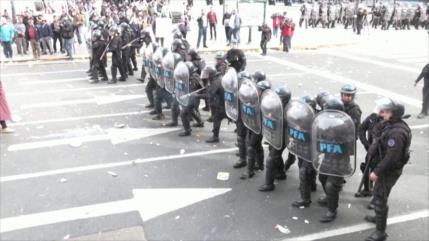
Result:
x=204 y=51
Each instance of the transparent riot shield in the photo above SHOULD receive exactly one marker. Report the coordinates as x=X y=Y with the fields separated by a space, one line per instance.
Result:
x=299 y=117
x=230 y=85
x=181 y=77
x=148 y=52
x=159 y=73
x=272 y=118
x=250 y=106
x=334 y=143
x=168 y=66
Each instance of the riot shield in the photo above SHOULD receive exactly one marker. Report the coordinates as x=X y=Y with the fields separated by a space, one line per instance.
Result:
x=148 y=52
x=230 y=85
x=272 y=118
x=334 y=143
x=157 y=60
x=299 y=117
x=250 y=106
x=181 y=77
x=168 y=66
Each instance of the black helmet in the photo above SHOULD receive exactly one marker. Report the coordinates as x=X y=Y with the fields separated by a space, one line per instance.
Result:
x=193 y=54
x=348 y=89
x=236 y=59
x=259 y=76
x=177 y=44
x=244 y=75
x=192 y=68
x=96 y=34
x=263 y=85
x=284 y=93
x=124 y=26
x=209 y=72
x=387 y=104
x=177 y=34
x=114 y=30
x=177 y=59
x=333 y=103
x=309 y=100
x=220 y=55
x=101 y=23
x=320 y=98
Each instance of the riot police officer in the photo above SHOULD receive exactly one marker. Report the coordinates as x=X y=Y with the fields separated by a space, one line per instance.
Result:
x=169 y=64
x=160 y=93
x=273 y=128
x=250 y=94
x=215 y=95
x=332 y=185
x=98 y=47
x=115 y=48
x=145 y=40
x=348 y=93
x=221 y=65
x=368 y=131
x=126 y=51
x=307 y=173
x=237 y=63
x=393 y=147
x=189 y=110
x=178 y=47
x=425 y=76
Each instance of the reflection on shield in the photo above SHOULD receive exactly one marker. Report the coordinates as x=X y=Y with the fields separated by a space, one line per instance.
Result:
x=157 y=61
x=148 y=53
x=168 y=66
x=181 y=77
x=249 y=106
x=230 y=85
x=334 y=143
x=299 y=117
x=272 y=118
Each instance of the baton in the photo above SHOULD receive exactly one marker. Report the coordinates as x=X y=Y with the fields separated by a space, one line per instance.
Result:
x=194 y=92
x=363 y=176
x=129 y=43
x=105 y=50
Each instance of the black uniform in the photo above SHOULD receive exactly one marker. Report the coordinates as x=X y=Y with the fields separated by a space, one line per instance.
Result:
x=354 y=111
x=215 y=94
x=115 y=48
x=394 y=154
x=188 y=112
x=98 y=47
x=221 y=67
x=255 y=153
x=424 y=75
x=126 y=52
x=265 y=37
x=369 y=129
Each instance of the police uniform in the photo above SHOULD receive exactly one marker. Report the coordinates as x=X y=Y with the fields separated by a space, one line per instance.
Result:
x=425 y=76
x=115 y=48
x=394 y=154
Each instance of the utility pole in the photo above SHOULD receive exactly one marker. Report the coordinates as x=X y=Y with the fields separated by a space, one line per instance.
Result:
x=12 y=5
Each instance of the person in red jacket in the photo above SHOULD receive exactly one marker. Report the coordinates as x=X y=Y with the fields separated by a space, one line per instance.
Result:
x=212 y=19
x=288 y=28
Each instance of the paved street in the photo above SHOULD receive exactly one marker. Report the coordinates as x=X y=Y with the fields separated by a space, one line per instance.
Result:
x=87 y=162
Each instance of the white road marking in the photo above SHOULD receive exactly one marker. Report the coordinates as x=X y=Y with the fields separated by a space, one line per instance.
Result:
x=419 y=126
x=43 y=73
x=100 y=100
x=360 y=227
x=111 y=165
x=150 y=203
x=371 y=61
x=43 y=92
x=78 y=118
x=55 y=81
x=342 y=79
x=116 y=136
x=414 y=60
x=284 y=74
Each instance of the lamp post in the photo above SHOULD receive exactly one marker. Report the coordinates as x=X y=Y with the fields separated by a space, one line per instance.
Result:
x=12 y=5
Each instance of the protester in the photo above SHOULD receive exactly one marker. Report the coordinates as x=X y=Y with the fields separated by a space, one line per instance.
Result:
x=4 y=111
x=6 y=37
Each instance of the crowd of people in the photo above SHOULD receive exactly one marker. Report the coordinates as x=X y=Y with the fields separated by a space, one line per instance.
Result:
x=383 y=15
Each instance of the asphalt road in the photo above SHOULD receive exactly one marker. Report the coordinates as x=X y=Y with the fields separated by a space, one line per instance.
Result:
x=70 y=151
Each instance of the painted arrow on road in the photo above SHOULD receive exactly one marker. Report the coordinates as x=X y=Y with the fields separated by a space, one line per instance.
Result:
x=150 y=203
x=116 y=136
x=99 y=100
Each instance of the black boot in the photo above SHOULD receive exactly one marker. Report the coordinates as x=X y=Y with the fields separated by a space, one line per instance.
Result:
x=213 y=139
x=185 y=133
x=114 y=72
x=370 y=218
x=380 y=226
x=153 y=112
x=267 y=188
x=198 y=124
x=171 y=124
x=328 y=217
x=158 y=117
x=301 y=203
x=240 y=163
